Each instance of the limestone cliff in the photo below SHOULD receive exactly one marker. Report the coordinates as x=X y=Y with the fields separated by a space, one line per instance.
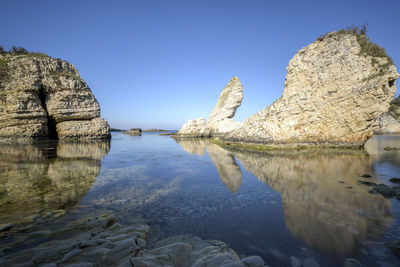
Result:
x=220 y=119
x=335 y=89
x=44 y=97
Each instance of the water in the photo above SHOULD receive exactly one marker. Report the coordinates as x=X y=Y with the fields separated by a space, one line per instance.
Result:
x=280 y=204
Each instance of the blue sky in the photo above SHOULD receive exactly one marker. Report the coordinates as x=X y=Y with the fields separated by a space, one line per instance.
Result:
x=156 y=64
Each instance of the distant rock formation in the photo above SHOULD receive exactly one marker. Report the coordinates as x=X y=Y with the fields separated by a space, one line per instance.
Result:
x=220 y=119
x=389 y=122
x=134 y=131
x=335 y=89
x=42 y=97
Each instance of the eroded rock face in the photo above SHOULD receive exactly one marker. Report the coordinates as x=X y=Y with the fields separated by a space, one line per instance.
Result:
x=43 y=97
x=334 y=91
x=387 y=124
x=220 y=119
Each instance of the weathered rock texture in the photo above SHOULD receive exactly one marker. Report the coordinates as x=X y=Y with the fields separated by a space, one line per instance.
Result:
x=220 y=119
x=43 y=97
x=387 y=124
x=335 y=89
x=102 y=241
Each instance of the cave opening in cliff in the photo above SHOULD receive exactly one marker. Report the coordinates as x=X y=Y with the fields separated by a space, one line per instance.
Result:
x=51 y=122
x=391 y=83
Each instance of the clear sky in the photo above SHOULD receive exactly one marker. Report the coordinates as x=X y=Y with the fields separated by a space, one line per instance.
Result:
x=156 y=64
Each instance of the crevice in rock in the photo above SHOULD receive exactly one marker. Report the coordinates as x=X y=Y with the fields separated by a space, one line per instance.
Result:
x=51 y=122
x=391 y=83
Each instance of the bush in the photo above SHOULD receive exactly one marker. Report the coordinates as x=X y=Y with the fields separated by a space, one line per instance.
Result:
x=18 y=50
x=3 y=70
x=2 y=51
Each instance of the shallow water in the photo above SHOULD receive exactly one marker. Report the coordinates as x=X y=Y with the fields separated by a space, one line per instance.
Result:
x=279 y=205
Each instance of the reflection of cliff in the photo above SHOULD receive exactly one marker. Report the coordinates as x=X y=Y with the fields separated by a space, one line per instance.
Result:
x=375 y=147
x=318 y=209
x=224 y=161
x=35 y=179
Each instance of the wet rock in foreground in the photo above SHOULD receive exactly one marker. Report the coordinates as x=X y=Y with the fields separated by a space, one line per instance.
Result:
x=102 y=241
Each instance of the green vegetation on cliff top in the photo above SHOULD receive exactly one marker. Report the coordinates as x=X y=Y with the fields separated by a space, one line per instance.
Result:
x=368 y=48
x=18 y=50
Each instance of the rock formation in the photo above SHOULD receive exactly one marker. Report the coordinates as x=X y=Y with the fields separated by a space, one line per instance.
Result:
x=389 y=122
x=43 y=97
x=102 y=241
x=220 y=119
x=335 y=89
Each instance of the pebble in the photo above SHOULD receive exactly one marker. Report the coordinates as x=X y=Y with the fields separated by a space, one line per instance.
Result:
x=71 y=254
x=5 y=227
x=366 y=175
x=141 y=243
x=351 y=263
x=395 y=180
x=122 y=245
x=295 y=261
x=310 y=263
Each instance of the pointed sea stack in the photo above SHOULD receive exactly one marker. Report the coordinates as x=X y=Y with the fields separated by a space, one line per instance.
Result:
x=220 y=120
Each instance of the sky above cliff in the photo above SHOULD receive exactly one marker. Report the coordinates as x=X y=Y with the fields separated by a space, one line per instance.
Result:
x=156 y=64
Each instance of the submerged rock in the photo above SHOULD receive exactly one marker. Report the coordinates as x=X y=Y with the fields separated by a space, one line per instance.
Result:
x=112 y=244
x=43 y=97
x=220 y=119
x=335 y=89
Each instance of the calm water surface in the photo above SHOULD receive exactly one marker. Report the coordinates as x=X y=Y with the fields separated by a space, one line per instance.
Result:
x=303 y=204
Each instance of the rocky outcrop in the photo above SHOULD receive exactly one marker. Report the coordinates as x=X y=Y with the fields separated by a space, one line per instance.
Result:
x=335 y=89
x=43 y=97
x=102 y=241
x=134 y=131
x=220 y=119
x=386 y=124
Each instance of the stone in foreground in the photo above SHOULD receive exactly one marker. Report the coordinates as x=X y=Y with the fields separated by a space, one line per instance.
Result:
x=102 y=241
x=43 y=97
x=335 y=89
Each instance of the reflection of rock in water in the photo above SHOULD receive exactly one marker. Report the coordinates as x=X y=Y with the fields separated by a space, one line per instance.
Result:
x=31 y=182
x=228 y=169
x=224 y=161
x=196 y=146
x=375 y=147
x=319 y=210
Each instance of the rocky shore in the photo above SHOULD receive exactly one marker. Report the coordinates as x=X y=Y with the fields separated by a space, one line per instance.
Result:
x=42 y=97
x=102 y=241
x=335 y=89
